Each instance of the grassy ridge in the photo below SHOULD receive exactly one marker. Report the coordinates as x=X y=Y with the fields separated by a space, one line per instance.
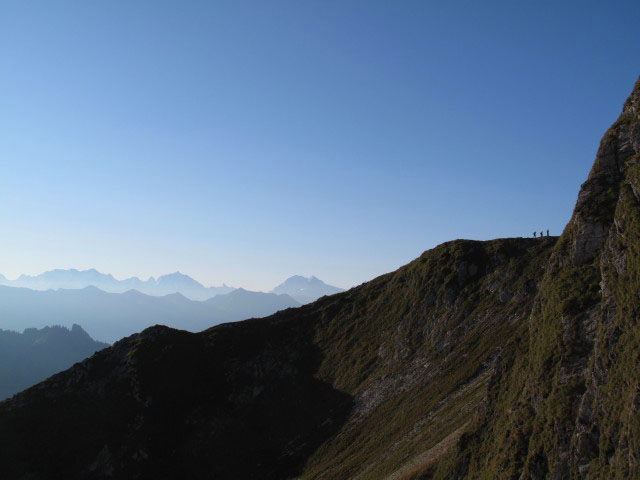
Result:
x=356 y=385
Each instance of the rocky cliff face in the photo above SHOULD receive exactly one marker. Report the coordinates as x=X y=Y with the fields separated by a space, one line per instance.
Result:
x=578 y=372
x=596 y=365
x=513 y=359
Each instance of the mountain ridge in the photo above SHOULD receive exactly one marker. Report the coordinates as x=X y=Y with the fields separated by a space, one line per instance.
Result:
x=306 y=289
x=78 y=279
x=295 y=351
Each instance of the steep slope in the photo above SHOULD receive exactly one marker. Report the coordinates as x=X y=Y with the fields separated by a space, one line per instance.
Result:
x=359 y=383
x=566 y=401
x=33 y=355
x=305 y=290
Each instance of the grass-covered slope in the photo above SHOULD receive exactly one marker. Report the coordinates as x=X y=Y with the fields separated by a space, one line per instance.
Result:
x=416 y=352
x=567 y=403
x=363 y=384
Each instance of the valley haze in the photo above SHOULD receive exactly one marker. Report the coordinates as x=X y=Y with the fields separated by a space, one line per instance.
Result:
x=110 y=309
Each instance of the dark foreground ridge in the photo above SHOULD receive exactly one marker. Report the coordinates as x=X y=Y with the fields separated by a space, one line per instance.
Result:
x=506 y=359
x=331 y=385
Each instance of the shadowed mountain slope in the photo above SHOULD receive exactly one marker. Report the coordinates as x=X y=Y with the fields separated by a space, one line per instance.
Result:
x=33 y=355
x=326 y=387
x=509 y=359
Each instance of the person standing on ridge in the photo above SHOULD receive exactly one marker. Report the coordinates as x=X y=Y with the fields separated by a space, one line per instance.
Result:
x=541 y=234
x=547 y=232
x=534 y=234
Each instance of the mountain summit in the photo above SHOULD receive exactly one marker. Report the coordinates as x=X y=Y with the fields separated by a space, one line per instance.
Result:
x=506 y=359
x=305 y=289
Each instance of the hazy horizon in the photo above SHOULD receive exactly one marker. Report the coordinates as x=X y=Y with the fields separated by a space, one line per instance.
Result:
x=244 y=143
x=155 y=277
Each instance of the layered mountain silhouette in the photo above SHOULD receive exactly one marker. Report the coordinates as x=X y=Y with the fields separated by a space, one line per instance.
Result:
x=31 y=356
x=241 y=304
x=305 y=289
x=506 y=359
x=302 y=289
x=78 y=279
x=111 y=316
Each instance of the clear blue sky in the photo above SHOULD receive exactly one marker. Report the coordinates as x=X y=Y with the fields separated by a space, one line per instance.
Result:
x=243 y=142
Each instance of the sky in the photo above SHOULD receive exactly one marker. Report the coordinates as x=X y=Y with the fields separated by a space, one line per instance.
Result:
x=245 y=142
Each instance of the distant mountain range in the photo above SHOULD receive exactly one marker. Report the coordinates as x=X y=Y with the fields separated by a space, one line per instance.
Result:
x=302 y=289
x=32 y=356
x=111 y=316
x=77 y=279
x=241 y=304
x=305 y=289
